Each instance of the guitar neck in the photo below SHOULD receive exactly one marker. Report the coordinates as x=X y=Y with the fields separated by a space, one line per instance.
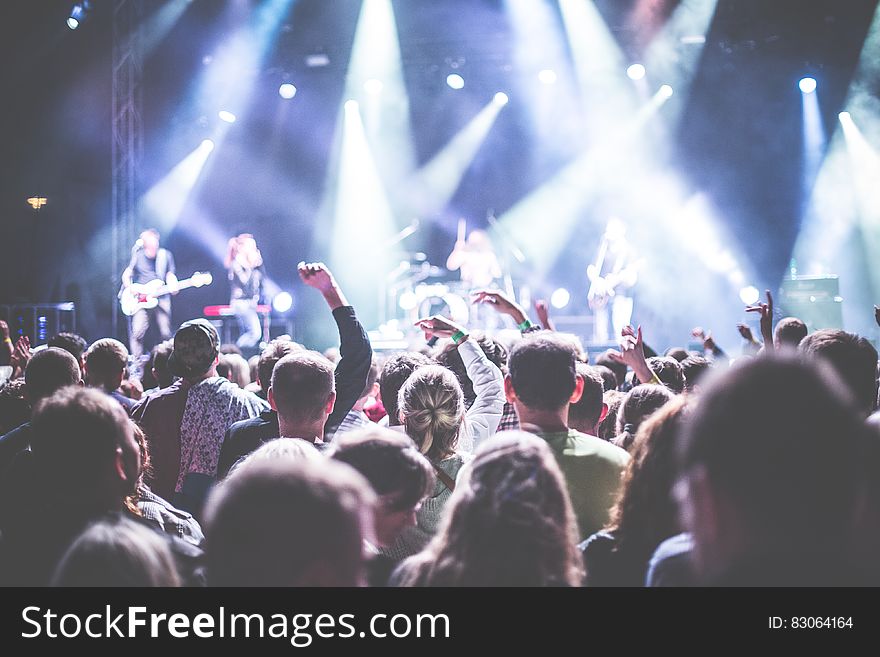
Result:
x=181 y=285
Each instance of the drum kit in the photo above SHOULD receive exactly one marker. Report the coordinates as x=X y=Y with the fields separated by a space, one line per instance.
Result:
x=416 y=288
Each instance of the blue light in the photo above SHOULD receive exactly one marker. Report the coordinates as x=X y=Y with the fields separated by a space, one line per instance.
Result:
x=807 y=85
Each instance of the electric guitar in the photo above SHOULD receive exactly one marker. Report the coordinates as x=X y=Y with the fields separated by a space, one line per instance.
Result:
x=146 y=295
x=603 y=288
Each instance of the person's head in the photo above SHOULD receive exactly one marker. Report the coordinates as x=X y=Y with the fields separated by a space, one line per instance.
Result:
x=639 y=404
x=84 y=449
x=253 y=368
x=694 y=368
x=542 y=374
x=159 y=363
x=371 y=387
x=617 y=367
x=609 y=378
x=106 y=362
x=607 y=429
x=646 y=512
x=478 y=240
x=395 y=372
x=49 y=370
x=302 y=389
x=279 y=448
x=678 y=353
x=431 y=407
x=769 y=463
x=451 y=359
x=195 y=350
x=150 y=241
x=586 y=413
x=274 y=351
x=70 y=342
x=853 y=358
x=236 y=369
x=117 y=552
x=788 y=333
x=668 y=370
x=509 y=522
x=15 y=409
x=400 y=476
x=229 y=348
x=289 y=522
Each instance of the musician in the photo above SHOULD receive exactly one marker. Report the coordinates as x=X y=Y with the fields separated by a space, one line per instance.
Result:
x=476 y=260
x=479 y=268
x=150 y=262
x=246 y=273
x=612 y=278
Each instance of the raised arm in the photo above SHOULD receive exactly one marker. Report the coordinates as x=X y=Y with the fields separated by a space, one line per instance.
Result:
x=355 y=352
x=504 y=305
x=485 y=413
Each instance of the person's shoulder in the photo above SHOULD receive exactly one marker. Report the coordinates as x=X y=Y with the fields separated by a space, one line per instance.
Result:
x=158 y=398
x=582 y=444
x=16 y=433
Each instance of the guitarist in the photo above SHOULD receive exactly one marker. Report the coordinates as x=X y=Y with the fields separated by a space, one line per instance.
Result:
x=148 y=263
x=612 y=276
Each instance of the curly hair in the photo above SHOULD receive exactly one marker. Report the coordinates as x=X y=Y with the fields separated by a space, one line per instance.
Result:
x=509 y=523
x=432 y=406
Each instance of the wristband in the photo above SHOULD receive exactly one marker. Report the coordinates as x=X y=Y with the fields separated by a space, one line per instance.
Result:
x=458 y=336
x=9 y=340
x=526 y=324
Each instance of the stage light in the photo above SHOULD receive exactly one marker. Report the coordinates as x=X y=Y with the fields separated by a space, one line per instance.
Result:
x=229 y=117
x=666 y=91
x=77 y=15
x=287 y=91
x=408 y=300
x=37 y=202
x=560 y=298
x=501 y=98
x=282 y=302
x=844 y=117
x=749 y=295
x=351 y=106
x=547 y=76
x=807 y=85
x=455 y=81
x=373 y=86
x=208 y=145
x=635 y=71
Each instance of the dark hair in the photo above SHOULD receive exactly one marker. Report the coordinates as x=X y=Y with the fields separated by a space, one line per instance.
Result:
x=75 y=435
x=780 y=439
x=618 y=368
x=49 y=370
x=677 y=353
x=390 y=462
x=71 y=342
x=789 y=332
x=609 y=378
x=451 y=359
x=15 y=409
x=853 y=358
x=584 y=414
x=668 y=370
x=105 y=360
x=639 y=404
x=395 y=372
x=269 y=524
x=117 y=552
x=159 y=356
x=509 y=522
x=542 y=370
x=646 y=513
x=274 y=351
x=608 y=426
x=694 y=368
x=302 y=383
x=372 y=377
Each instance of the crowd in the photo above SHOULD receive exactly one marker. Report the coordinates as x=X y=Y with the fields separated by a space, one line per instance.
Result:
x=476 y=462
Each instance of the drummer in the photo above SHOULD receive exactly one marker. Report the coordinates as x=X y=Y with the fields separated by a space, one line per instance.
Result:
x=479 y=269
x=475 y=258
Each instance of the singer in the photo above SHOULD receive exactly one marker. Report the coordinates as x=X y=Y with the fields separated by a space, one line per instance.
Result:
x=246 y=273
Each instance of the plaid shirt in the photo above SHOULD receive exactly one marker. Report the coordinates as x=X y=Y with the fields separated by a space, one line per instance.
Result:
x=509 y=418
